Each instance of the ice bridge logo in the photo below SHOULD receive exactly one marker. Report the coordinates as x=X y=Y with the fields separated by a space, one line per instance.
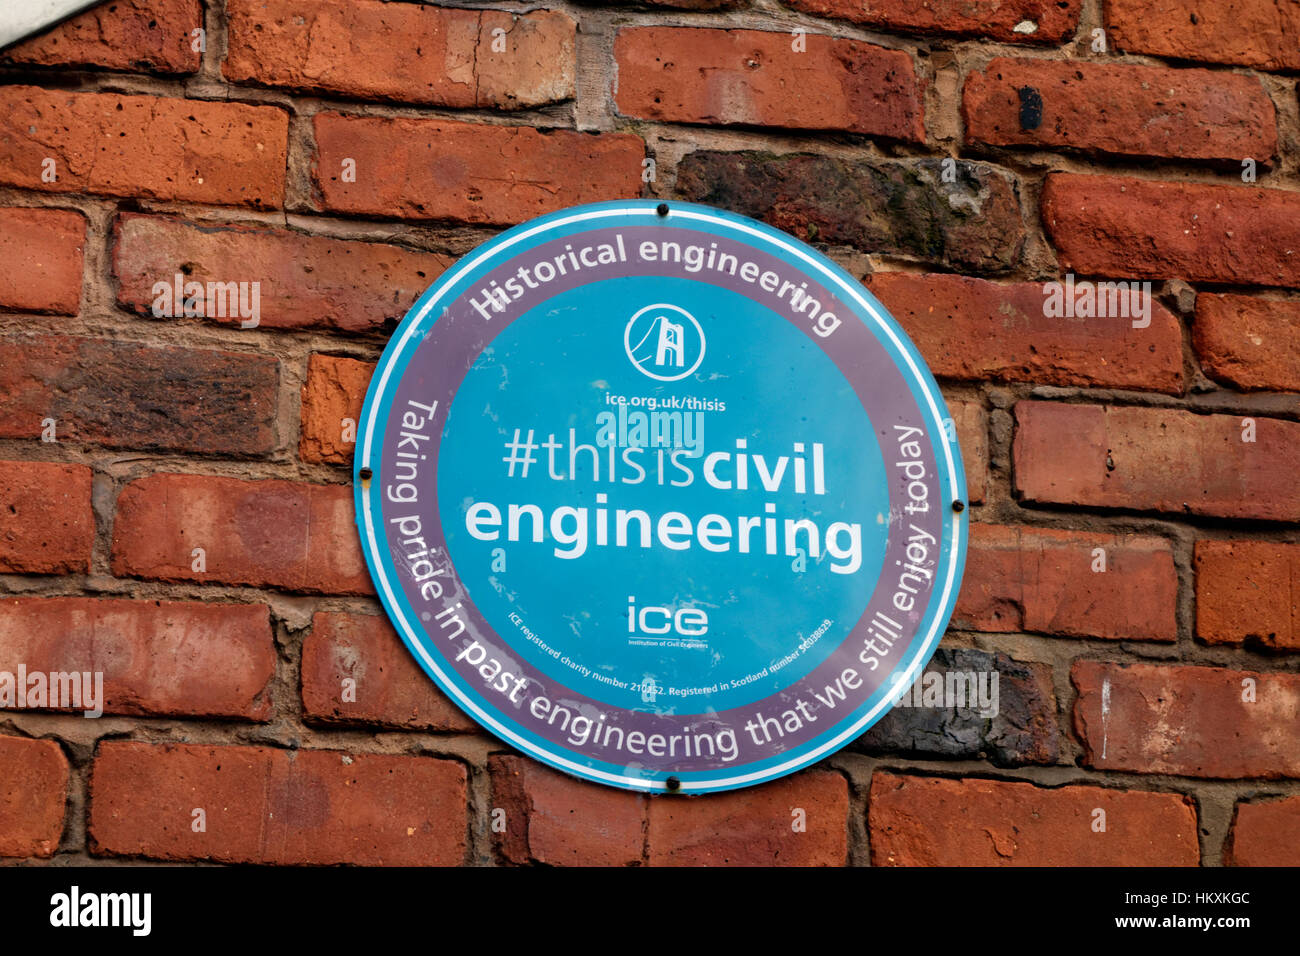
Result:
x=664 y=342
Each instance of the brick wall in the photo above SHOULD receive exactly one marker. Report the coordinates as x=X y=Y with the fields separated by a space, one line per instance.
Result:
x=1134 y=574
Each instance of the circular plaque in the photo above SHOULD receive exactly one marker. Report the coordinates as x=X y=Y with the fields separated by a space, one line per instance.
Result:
x=660 y=496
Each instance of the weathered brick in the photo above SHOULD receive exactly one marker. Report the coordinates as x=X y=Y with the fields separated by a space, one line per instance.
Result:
x=389 y=686
x=405 y=52
x=127 y=395
x=1249 y=343
x=304 y=281
x=1257 y=33
x=151 y=35
x=278 y=534
x=1044 y=581
x=898 y=208
x=971 y=423
x=200 y=660
x=1109 y=225
x=286 y=807
x=40 y=260
x=1157 y=459
x=47 y=525
x=1014 y=21
x=975 y=330
x=758 y=78
x=144 y=147
x=1022 y=729
x=468 y=172
x=929 y=821
x=1120 y=109
x=1265 y=833
x=753 y=827
x=333 y=393
x=33 y=792
x=558 y=820
x=1190 y=721
x=1248 y=591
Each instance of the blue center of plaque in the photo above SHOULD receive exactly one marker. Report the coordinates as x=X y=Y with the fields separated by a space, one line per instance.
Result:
x=663 y=494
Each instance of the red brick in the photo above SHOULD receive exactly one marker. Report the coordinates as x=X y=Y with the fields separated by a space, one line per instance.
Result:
x=199 y=660
x=151 y=35
x=49 y=525
x=1246 y=32
x=1189 y=721
x=755 y=826
x=404 y=52
x=391 y=689
x=561 y=821
x=975 y=330
x=1041 y=580
x=468 y=172
x=928 y=821
x=971 y=424
x=33 y=792
x=1040 y=21
x=1109 y=225
x=285 y=807
x=335 y=390
x=144 y=147
x=40 y=260
x=278 y=534
x=127 y=395
x=1249 y=343
x=306 y=282
x=1121 y=109
x=755 y=78
x=1248 y=591
x=1156 y=459
x=1265 y=833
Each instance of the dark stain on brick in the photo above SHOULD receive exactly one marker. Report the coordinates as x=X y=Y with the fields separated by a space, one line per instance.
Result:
x=1023 y=731
x=1031 y=108
x=127 y=395
x=890 y=207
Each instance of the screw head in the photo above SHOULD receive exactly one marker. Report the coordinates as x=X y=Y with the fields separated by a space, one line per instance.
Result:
x=959 y=506
x=674 y=784
x=662 y=209
x=366 y=474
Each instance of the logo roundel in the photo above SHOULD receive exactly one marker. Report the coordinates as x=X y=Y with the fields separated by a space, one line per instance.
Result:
x=644 y=559
x=664 y=342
